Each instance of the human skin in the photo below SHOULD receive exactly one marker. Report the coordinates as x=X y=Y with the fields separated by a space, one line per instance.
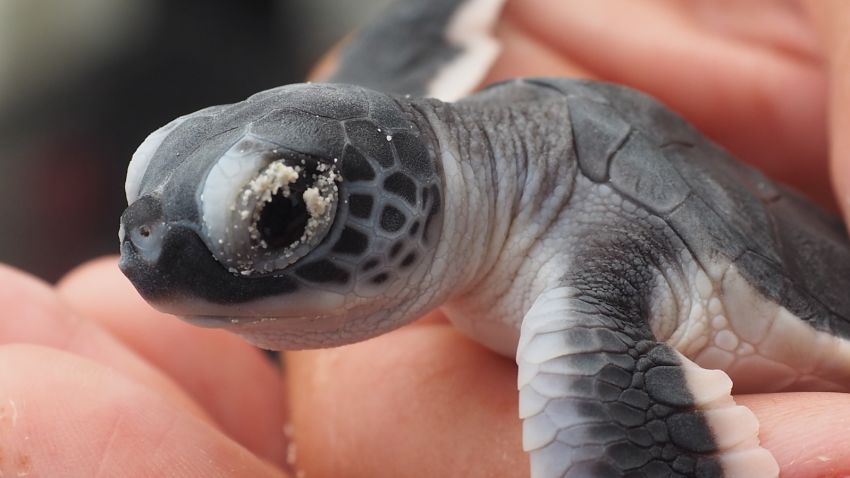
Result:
x=96 y=383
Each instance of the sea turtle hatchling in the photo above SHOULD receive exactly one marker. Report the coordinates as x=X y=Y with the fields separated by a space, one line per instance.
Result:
x=632 y=267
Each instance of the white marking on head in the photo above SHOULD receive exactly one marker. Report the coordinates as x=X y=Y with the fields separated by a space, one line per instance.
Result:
x=142 y=157
x=471 y=29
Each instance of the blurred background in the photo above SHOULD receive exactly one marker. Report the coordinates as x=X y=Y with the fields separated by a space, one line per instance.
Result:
x=82 y=83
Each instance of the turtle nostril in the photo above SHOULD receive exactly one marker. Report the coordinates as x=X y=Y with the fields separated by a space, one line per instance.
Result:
x=144 y=228
x=145 y=236
x=147 y=239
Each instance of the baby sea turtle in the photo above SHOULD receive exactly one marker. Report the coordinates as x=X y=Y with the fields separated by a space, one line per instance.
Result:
x=632 y=267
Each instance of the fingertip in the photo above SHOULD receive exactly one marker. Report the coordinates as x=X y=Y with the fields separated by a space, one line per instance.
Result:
x=524 y=55
x=98 y=286
x=103 y=425
x=104 y=266
x=426 y=393
x=20 y=291
x=33 y=313
x=806 y=432
x=435 y=317
x=233 y=381
x=839 y=126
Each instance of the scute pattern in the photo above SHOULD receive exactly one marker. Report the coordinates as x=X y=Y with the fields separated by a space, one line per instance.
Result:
x=720 y=207
x=413 y=156
x=392 y=220
x=601 y=397
x=371 y=139
x=400 y=184
x=385 y=160
x=323 y=271
x=354 y=166
x=360 y=205
x=351 y=241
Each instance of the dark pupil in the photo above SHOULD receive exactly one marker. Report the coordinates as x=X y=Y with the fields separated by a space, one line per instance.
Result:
x=282 y=220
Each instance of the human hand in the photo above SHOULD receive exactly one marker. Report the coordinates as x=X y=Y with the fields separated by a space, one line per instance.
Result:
x=94 y=379
x=96 y=383
x=424 y=401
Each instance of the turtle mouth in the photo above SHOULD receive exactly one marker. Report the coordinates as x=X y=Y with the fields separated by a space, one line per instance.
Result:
x=210 y=322
x=226 y=321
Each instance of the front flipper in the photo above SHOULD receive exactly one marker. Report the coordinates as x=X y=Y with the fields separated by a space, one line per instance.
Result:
x=600 y=397
x=437 y=48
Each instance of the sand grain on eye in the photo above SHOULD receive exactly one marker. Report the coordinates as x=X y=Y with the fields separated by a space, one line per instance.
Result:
x=316 y=204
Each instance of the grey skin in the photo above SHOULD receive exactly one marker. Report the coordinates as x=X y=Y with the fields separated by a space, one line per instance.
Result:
x=582 y=227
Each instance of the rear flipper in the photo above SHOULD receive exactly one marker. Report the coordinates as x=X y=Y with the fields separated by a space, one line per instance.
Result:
x=600 y=397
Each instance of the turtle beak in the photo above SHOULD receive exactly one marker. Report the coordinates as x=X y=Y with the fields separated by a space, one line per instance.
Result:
x=168 y=263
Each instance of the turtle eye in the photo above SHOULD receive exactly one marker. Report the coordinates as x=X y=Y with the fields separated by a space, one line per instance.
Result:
x=283 y=220
x=265 y=208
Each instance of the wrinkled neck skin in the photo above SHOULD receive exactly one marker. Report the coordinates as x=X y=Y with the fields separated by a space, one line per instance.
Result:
x=508 y=176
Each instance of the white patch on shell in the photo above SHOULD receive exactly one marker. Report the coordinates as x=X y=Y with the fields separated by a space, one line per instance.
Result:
x=471 y=29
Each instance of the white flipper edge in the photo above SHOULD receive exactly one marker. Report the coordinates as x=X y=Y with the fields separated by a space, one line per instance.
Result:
x=471 y=29
x=735 y=428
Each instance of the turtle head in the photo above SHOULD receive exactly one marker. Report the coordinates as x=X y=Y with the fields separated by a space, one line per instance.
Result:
x=305 y=216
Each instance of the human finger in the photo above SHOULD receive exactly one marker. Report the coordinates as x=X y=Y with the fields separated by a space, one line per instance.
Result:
x=524 y=54
x=433 y=398
x=806 y=432
x=763 y=102
x=233 y=381
x=34 y=314
x=832 y=18
x=80 y=418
